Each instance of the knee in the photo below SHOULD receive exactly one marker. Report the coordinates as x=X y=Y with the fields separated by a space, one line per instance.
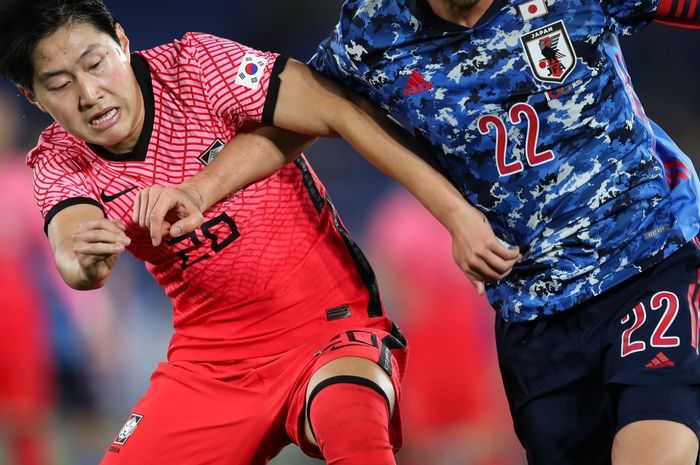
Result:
x=354 y=366
x=350 y=398
x=655 y=442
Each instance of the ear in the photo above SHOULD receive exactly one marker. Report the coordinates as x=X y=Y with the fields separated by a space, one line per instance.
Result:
x=31 y=97
x=123 y=40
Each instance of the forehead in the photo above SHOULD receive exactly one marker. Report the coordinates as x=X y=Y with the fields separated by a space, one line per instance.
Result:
x=66 y=45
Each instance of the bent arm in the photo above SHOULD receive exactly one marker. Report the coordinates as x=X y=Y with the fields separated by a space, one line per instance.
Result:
x=85 y=245
x=310 y=104
x=314 y=106
x=247 y=158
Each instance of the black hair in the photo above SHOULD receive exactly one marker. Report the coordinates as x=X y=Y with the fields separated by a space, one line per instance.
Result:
x=24 y=23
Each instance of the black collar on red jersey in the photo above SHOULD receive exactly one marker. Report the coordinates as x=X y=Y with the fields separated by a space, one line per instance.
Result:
x=143 y=77
x=422 y=11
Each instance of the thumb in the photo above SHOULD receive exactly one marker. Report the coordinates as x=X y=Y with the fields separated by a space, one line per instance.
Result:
x=184 y=226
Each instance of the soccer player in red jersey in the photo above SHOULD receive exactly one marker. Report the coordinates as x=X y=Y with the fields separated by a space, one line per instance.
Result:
x=280 y=334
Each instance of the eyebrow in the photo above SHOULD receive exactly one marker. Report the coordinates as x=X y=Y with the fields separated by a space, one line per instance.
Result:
x=49 y=74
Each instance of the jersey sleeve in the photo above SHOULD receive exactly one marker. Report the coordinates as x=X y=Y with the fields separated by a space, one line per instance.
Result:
x=334 y=60
x=59 y=182
x=681 y=13
x=629 y=16
x=241 y=84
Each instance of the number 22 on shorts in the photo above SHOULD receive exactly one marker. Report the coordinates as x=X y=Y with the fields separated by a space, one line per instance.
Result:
x=664 y=300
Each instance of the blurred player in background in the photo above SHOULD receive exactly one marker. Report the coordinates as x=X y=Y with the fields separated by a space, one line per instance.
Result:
x=529 y=111
x=453 y=406
x=26 y=360
x=280 y=335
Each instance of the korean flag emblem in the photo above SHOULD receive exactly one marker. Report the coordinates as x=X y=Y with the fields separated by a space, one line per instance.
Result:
x=251 y=71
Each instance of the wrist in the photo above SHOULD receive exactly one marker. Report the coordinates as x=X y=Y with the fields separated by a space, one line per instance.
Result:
x=460 y=214
x=195 y=195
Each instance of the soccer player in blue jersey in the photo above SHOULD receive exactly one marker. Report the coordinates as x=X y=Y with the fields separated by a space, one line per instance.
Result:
x=530 y=113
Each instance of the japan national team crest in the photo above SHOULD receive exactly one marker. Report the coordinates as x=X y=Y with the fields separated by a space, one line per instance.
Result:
x=128 y=429
x=549 y=52
x=251 y=71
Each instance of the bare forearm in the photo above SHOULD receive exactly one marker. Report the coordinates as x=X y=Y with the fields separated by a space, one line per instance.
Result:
x=247 y=158
x=392 y=151
x=312 y=104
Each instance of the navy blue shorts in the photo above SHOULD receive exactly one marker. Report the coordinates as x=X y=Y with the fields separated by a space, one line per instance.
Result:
x=574 y=379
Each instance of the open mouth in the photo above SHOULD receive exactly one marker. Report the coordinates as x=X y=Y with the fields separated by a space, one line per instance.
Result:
x=104 y=118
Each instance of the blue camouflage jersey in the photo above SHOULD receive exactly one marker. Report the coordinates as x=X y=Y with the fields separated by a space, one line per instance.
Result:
x=532 y=116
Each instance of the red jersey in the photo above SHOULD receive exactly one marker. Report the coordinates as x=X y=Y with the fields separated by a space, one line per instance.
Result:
x=272 y=262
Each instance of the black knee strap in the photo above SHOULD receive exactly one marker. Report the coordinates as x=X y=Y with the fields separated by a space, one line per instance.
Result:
x=342 y=379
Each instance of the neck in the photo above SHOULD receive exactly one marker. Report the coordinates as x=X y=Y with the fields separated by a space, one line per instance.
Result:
x=129 y=144
x=464 y=13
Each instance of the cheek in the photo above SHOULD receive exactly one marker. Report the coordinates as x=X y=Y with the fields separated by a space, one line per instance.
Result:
x=61 y=112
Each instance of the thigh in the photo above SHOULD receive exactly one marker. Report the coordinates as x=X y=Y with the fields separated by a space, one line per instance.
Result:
x=657 y=424
x=680 y=404
x=387 y=350
x=559 y=405
x=189 y=418
x=652 y=367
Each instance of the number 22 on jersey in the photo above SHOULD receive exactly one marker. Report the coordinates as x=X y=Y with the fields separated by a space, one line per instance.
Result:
x=518 y=113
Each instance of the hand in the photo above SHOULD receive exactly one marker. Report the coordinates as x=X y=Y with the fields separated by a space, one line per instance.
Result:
x=97 y=245
x=477 y=250
x=168 y=211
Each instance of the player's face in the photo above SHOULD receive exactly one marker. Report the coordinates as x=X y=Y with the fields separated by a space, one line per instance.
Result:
x=83 y=79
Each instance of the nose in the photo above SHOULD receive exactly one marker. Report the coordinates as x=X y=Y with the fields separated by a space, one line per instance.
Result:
x=90 y=92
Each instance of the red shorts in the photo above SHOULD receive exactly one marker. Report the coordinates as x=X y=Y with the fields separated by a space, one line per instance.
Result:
x=243 y=412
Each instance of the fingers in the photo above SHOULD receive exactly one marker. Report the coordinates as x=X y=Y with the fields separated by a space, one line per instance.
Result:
x=478 y=283
x=487 y=261
x=144 y=202
x=100 y=238
x=186 y=225
x=159 y=204
x=483 y=271
x=499 y=266
x=502 y=250
x=153 y=204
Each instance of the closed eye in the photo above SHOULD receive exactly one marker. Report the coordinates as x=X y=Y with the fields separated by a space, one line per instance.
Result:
x=61 y=87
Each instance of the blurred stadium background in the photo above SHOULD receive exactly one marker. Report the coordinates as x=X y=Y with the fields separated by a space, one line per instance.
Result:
x=104 y=344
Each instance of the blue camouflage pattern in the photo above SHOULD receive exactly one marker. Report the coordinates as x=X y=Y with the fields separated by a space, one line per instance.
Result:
x=534 y=119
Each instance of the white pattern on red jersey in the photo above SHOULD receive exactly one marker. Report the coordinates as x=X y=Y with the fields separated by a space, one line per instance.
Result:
x=269 y=260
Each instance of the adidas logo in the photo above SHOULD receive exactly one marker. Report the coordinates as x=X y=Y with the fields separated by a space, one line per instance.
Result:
x=416 y=84
x=660 y=361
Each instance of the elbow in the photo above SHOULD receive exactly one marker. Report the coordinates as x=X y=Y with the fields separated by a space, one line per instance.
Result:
x=85 y=285
x=76 y=280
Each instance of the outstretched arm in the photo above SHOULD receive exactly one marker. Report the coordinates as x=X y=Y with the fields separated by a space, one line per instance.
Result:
x=315 y=106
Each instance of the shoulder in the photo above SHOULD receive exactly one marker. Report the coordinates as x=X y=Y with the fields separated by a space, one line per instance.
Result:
x=57 y=145
x=190 y=50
